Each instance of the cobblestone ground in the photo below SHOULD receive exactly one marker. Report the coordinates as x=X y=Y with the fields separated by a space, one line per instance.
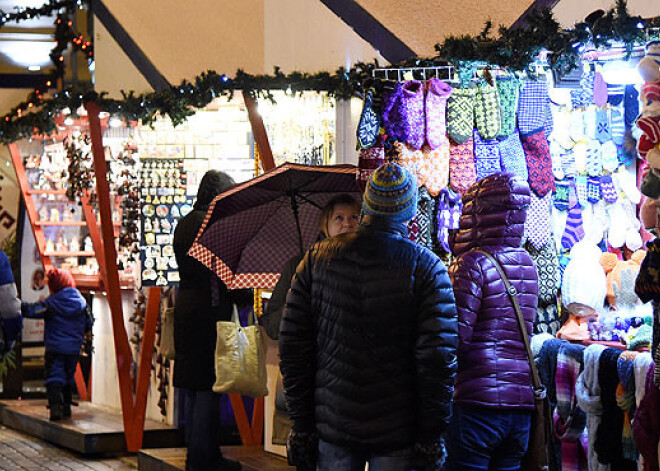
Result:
x=20 y=452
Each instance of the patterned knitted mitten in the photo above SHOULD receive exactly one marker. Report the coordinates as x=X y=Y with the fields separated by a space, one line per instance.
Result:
x=513 y=156
x=556 y=152
x=576 y=127
x=547 y=320
x=618 y=126
x=630 y=105
x=538 y=227
x=413 y=229
x=580 y=153
x=600 y=90
x=568 y=164
x=462 y=170
x=508 y=89
x=369 y=125
x=395 y=114
x=449 y=213
x=486 y=156
x=609 y=156
x=594 y=163
x=574 y=231
x=532 y=106
x=437 y=93
x=487 y=111
x=434 y=168
x=615 y=94
x=560 y=195
x=413 y=96
x=460 y=114
x=581 y=189
x=603 y=129
x=587 y=88
x=368 y=161
x=539 y=162
x=607 y=189
x=593 y=190
x=409 y=158
x=547 y=267
x=425 y=211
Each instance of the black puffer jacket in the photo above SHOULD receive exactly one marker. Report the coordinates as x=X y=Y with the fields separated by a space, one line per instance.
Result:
x=368 y=341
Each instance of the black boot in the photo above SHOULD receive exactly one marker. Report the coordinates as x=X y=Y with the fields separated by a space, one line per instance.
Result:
x=67 y=399
x=55 y=401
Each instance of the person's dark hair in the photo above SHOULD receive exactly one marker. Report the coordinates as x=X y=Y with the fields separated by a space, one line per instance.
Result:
x=327 y=210
x=213 y=183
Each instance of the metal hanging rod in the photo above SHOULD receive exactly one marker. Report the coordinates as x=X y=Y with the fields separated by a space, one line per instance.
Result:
x=442 y=72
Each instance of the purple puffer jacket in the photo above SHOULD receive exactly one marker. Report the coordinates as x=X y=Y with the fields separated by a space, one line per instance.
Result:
x=493 y=370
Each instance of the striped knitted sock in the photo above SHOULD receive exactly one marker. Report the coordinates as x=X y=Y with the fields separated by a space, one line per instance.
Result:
x=607 y=189
x=617 y=125
x=574 y=231
x=593 y=190
x=603 y=129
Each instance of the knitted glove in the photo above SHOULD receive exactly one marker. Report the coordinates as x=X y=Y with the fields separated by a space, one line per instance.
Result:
x=429 y=456
x=625 y=295
x=302 y=449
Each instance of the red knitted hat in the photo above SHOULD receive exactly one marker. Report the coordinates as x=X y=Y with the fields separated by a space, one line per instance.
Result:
x=60 y=279
x=651 y=91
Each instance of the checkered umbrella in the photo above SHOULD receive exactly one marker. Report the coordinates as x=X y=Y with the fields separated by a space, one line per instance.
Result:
x=252 y=229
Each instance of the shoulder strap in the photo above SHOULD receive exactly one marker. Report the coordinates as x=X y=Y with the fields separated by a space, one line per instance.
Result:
x=511 y=292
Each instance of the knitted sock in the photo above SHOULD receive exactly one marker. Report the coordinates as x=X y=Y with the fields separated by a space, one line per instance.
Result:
x=630 y=105
x=593 y=190
x=413 y=96
x=449 y=213
x=587 y=88
x=594 y=163
x=609 y=157
x=590 y=127
x=607 y=189
x=538 y=228
x=532 y=106
x=425 y=214
x=580 y=153
x=568 y=163
x=369 y=125
x=460 y=114
x=513 y=156
x=508 y=89
x=434 y=168
x=539 y=162
x=486 y=156
x=556 y=152
x=575 y=99
x=560 y=196
x=576 y=127
x=574 y=231
x=437 y=93
x=600 y=90
x=549 y=124
x=487 y=111
x=615 y=94
x=617 y=125
x=603 y=130
x=395 y=114
x=462 y=170
x=581 y=189
x=368 y=161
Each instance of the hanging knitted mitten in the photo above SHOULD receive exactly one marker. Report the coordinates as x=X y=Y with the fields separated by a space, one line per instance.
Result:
x=395 y=114
x=449 y=213
x=413 y=96
x=607 y=189
x=549 y=119
x=437 y=93
x=574 y=231
x=593 y=190
x=539 y=162
x=513 y=156
x=409 y=158
x=425 y=208
x=538 y=228
x=434 y=168
x=630 y=105
x=560 y=196
x=587 y=87
x=581 y=189
x=580 y=153
x=508 y=89
x=615 y=94
x=547 y=267
x=608 y=153
x=462 y=170
x=369 y=125
x=576 y=127
x=617 y=125
x=568 y=163
x=547 y=320
x=556 y=152
x=603 y=130
x=600 y=90
x=590 y=126
x=487 y=111
x=486 y=156
x=460 y=114
x=594 y=163
x=532 y=106
x=368 y=161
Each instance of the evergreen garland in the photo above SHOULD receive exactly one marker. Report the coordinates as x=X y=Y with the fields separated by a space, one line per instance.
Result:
x=48 y=9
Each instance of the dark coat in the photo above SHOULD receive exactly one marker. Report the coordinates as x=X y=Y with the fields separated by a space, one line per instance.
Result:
x=66 y=320
x=194 y=315
x=272 y=317
x=493 y=369
x=368 y=340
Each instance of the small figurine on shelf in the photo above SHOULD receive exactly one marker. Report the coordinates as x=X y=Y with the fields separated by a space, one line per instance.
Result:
x=67 y=215
x=59 y=245
x=54 y=215
x=89 y=247
x=74 y=246
x=50 y=247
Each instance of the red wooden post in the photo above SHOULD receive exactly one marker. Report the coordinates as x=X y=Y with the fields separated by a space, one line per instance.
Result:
x=259 y=132
x=94 y=234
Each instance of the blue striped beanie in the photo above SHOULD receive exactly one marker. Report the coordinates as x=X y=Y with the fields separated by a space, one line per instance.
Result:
x=392 y=193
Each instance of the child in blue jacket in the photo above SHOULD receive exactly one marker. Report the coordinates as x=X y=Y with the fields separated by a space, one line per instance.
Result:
x=66 y=322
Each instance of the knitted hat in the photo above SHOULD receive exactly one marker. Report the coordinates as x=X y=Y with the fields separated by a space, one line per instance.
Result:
x=642 y=338
x=584 y=279
x=392 y=193
x=59 y=279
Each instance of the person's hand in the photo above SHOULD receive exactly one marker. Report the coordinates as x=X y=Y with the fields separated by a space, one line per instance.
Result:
x=302 y=449
x=429 y=456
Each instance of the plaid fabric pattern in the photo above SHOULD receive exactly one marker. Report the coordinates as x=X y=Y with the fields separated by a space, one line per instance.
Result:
x=570 y=420
x=539 y=163
x=513 y=156
x=538 y=226
x=462 y=170
x=487 y=111
x=255 y=219
x=460 y=114
x=486 y=156
x=368 y=161
x=532 y=106
x=508 y=89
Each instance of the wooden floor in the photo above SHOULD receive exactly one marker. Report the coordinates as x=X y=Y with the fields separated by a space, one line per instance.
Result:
x=91 y=430
x=174 y=459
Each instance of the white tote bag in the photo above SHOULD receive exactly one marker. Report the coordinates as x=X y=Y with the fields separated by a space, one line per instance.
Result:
x=240 y=358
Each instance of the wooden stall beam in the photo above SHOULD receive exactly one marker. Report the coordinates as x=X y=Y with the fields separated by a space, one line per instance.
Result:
x=259 y=132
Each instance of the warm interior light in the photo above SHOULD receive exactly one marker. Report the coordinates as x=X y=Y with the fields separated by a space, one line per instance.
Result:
x=34 y=68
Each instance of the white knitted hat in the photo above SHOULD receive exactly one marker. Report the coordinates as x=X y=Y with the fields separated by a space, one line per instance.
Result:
x=584 y=279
